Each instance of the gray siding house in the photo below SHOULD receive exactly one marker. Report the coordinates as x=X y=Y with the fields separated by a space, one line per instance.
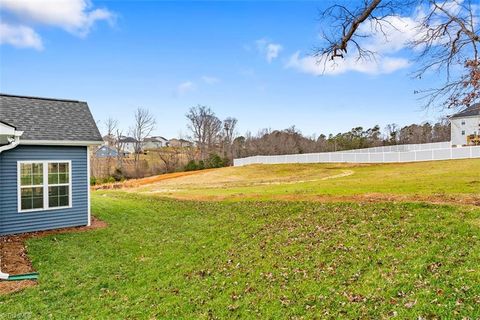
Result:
x=44 y=163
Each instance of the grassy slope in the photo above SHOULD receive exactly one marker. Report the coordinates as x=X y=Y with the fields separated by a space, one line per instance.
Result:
x=179 y=259
x=303 y=180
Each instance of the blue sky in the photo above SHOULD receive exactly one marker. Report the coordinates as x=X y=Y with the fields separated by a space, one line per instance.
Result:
x=244 y=59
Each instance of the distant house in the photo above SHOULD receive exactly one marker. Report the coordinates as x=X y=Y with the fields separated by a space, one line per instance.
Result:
x=44 y=163
x=106 y=152
x=154 y=142
x=465 y=126
x=129 y=144
x=179 y=143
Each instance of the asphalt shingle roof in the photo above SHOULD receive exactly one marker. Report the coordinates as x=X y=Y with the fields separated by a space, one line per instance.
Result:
x=49 y=119
x=473 y=110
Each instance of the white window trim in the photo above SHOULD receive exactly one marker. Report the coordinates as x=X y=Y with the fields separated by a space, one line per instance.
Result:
x=45 y=185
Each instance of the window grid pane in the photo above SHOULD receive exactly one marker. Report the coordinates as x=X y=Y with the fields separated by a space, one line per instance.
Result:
x=32 y=198
x=58 y=173
x=31 y=174
x=58 y=196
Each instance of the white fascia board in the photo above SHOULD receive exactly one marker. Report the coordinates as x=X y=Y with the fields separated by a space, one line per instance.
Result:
x=60 y=143
x=6 y=130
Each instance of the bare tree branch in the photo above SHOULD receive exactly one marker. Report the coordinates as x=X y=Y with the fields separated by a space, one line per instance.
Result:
x=447 y=37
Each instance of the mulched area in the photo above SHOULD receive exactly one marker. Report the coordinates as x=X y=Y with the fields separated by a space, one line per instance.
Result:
x=14 y=259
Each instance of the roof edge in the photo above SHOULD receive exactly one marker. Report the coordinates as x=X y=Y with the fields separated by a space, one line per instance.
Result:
x=460 y=116
x=60 y=142
x=39 y=98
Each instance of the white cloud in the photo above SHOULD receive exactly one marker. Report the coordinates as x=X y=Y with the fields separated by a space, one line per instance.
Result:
x=273 y=50
x=269 y=49
x=210 y=80
x=185 y=87
x=308 y=64
x=20 y=36
x=75 y=16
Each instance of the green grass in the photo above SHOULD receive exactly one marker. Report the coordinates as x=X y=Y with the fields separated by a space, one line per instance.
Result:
x=169 y=259
x=302 y=181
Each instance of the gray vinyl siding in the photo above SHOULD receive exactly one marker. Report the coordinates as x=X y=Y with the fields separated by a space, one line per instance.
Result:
x=12 y=221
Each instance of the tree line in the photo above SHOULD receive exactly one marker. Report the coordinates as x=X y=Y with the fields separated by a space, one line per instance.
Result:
x=292 y=141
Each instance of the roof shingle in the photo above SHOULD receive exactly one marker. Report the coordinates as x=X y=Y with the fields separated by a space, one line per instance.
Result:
x=49 y=119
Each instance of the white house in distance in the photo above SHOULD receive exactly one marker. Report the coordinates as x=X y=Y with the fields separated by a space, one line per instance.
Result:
x=179 y=143
x=128 y=144
x=465 y=126
x=154 y=142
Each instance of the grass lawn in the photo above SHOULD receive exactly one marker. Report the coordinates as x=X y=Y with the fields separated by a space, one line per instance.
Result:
x=163 y=258
x=307 y=181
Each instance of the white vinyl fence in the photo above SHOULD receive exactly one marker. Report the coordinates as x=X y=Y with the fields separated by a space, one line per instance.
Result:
x=387 y=154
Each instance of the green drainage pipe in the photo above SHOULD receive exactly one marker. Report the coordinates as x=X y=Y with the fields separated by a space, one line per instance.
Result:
x=25 y=276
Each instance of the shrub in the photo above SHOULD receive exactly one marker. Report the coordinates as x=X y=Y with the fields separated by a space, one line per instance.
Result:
x=191 y=166
x=109 y=180
x=214 y=161
x=118 y=175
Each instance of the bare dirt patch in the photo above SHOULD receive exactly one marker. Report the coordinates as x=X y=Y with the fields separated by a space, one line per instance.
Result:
x=134 y=183
x=14 y=259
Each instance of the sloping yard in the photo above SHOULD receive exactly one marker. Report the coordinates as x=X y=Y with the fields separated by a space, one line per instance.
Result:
x=456 y=181
x=163 y=258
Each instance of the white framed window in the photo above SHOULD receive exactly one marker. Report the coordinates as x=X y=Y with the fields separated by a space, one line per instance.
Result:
x=463 y=122
x=44 y=185
x=463 y=132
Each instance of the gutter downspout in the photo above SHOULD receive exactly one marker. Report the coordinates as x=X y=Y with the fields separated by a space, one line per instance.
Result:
x=13 y=143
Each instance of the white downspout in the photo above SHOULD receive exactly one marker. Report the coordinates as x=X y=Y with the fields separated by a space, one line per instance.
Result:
x=12 y=144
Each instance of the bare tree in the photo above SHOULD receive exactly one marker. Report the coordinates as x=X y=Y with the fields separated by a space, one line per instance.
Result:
x=392 y=132
x=142 y=128
x=119 y=147
x=170 y=158
x=205 y=128
x=111 y=126
x=213 y=130
x=229 y=134
x=447 y=36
